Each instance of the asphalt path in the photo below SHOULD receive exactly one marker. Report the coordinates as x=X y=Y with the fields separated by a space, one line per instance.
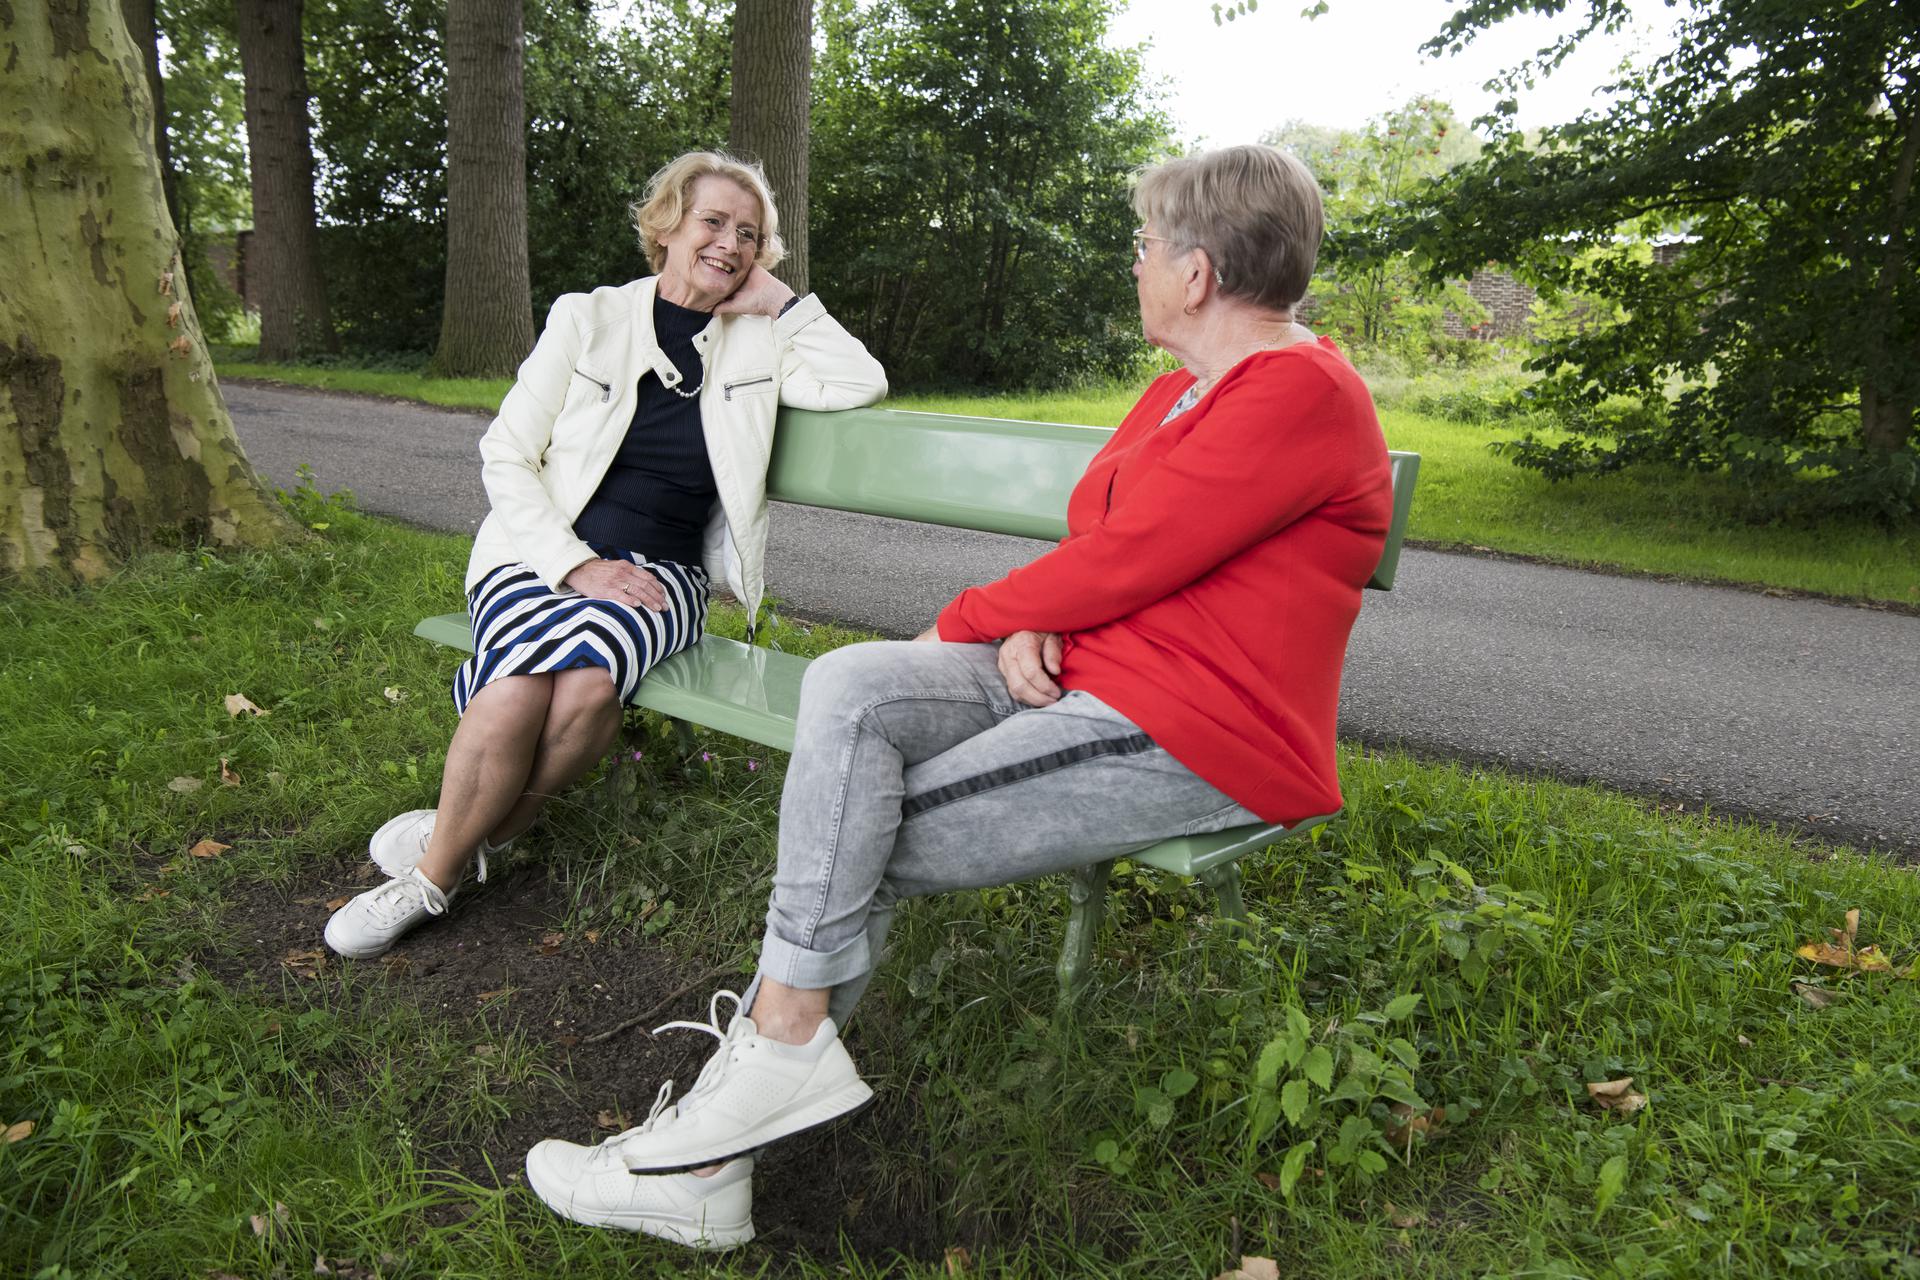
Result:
x=1788 y=710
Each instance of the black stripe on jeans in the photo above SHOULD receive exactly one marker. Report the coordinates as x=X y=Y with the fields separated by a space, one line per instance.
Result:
x=1132 y=745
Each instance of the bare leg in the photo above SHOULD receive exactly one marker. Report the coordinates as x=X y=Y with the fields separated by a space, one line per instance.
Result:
x=788 y=1014
x=583 y=719
x=488 y=766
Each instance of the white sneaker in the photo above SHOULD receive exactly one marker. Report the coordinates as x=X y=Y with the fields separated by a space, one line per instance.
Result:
x=591 y=1186
x=376 y=919
x=751 y=1092
x=401 y=842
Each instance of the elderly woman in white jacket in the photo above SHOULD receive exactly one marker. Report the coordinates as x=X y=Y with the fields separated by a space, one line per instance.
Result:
x=627 y=469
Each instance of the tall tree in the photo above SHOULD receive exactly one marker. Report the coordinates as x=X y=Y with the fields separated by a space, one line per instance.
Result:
x=1779 y=139
x=283 y=258
x=113 y=435
x=144 y=28
x=486 y=325
x=772 y=83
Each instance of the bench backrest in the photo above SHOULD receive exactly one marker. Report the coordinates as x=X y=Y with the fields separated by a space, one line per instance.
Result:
x=992 y=474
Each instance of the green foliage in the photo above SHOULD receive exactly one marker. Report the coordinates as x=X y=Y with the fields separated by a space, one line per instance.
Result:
x=970 y=165
x=1785 y=340
x=206 y=140
x=1369 y=290
x=172 y=1108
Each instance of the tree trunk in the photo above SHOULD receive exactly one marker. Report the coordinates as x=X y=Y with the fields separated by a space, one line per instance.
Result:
x=146 y=38
x=284 y=256
x=772 y=81
x=1886 y=421
x=486 y=322
x=113 y=436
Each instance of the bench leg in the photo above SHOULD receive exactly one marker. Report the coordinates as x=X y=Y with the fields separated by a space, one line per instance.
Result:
x=1086 y=898
x=1225 y=883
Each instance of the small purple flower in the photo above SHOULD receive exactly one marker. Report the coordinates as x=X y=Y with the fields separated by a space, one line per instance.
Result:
x=706 y=757
x=752 y=765
x=639 y=755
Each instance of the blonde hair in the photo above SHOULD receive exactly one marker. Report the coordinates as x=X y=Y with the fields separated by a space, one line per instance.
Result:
x=1255 y=210
x=659 y=211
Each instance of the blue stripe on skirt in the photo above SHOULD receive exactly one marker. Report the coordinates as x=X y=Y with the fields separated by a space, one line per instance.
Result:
x=521 y=628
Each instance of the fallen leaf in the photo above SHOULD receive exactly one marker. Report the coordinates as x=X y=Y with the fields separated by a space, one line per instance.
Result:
x=550 y=942
x=1818 y=997
x=1271 y=1181
x=566 y=1042
x=613 y=1120
x=17 y=1130
x=263 y=1223
x=485 y=1050
x=320 y=1267
x=184 y=785
x=1617 y=1096
x=1403 y=1123
x=395 y=696
x=1867 y=959
x=208 y=849
x=334 y=904
x=151 y=893
x=1743 y=1042
x=397 y=964
x=305 y=964
x=485 y=996
x=959 y=1261
x=228 y=778
x=1252 y=1268
x=592 y=935
x=238 y=704
x=1404 y=1218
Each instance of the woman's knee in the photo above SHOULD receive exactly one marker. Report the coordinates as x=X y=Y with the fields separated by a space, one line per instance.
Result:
x=854 y=675
x=583 y=697
x=510 y=700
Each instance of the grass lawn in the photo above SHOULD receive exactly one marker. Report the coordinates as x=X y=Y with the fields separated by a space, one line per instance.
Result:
x=1642 y=520
x=1386 y=1075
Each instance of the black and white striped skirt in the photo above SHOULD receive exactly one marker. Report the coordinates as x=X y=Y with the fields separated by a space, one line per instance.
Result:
x=522 y=628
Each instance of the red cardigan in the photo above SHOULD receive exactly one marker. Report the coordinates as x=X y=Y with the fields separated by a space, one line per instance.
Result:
x=1212 y=570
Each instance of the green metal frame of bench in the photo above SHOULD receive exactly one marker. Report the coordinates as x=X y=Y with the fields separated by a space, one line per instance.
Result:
x=987 y=474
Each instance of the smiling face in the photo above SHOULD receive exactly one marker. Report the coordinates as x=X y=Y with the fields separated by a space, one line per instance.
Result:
x=711 y=251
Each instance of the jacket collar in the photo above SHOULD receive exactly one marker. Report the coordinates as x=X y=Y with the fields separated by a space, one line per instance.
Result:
x=644 y=346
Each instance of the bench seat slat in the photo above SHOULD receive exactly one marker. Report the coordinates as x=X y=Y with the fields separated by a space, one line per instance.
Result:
x=754 y=693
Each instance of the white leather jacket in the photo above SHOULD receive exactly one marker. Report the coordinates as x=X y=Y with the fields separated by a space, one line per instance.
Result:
x=561 y=424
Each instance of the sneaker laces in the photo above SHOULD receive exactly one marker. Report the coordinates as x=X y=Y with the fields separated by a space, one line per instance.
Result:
x=480 y=852
x=401 y=894
x=738 y=1028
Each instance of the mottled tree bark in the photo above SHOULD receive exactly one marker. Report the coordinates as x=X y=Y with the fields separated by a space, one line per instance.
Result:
x=113 y=436
x=486 y=323
x=772 y=79
x=283 y=258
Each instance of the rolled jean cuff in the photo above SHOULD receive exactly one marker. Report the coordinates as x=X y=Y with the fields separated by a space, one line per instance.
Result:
x=806 y=970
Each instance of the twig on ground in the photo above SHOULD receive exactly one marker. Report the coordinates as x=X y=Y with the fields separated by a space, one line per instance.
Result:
x=599 y=1037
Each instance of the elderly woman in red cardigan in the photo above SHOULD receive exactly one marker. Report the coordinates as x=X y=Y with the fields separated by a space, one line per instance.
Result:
x=1171 y=668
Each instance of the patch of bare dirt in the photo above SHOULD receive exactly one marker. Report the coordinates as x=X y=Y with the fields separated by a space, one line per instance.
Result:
x=500 y=964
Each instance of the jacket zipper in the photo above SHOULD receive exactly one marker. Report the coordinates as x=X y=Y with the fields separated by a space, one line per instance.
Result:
x=606 y=388
x=727 y=389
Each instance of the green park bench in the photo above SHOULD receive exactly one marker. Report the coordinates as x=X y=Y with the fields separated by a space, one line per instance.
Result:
x=989 y=474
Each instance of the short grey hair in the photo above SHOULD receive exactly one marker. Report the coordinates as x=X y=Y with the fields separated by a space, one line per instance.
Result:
x=659 y=211
x=1256 y=211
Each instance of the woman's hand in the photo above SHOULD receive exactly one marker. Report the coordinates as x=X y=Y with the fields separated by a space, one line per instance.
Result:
x=621 y=581
x=758 y=294
x=1029 y=661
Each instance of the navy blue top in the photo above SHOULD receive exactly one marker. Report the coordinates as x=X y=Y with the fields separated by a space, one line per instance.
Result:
x=659 y=491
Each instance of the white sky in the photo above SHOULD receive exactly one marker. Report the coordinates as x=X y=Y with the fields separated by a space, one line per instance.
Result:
x=1233 y=82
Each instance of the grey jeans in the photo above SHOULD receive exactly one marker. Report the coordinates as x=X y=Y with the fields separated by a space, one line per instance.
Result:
x=915 y=771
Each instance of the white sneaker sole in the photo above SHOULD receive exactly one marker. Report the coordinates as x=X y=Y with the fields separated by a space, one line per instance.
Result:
x=784 y=1123
x=695 y=1232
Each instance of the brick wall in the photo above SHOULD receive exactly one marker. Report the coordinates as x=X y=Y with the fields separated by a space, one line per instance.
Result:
x=1509 y=304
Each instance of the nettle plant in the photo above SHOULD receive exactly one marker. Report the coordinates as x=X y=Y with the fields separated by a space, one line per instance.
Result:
x=1343 y=1090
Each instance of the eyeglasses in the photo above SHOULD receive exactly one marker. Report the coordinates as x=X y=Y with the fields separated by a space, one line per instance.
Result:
x=746 y=235
x=1140 y=238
